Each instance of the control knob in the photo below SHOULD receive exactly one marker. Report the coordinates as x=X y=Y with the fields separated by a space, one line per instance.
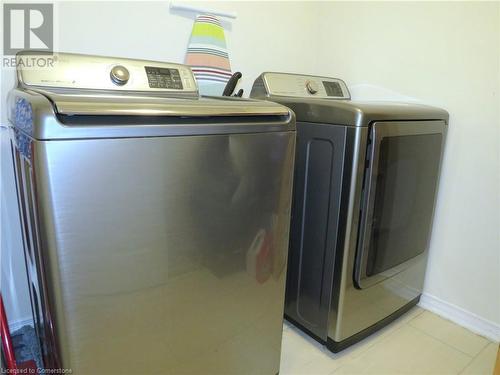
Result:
x=312 y=87
x=119 y=75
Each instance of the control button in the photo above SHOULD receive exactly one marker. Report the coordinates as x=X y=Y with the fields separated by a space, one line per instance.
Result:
x=312 y=87
x=119 y=75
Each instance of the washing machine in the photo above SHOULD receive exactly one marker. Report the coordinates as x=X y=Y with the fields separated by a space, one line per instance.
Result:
x=155 y=221
x=365 y=185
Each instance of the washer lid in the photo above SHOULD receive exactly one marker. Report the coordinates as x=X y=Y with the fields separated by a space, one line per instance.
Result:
x=133 y=104
x=51 y=117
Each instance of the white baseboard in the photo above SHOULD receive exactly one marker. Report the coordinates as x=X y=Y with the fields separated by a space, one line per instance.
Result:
x=17 y=324
x=461 y=317
x=429 y=302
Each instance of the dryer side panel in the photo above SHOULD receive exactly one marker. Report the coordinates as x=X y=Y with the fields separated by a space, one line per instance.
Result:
x=315 y=213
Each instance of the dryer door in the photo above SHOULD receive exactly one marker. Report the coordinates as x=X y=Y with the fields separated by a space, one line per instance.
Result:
x=399 y=193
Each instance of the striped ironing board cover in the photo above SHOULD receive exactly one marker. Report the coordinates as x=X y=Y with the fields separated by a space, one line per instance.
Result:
x=207 y=55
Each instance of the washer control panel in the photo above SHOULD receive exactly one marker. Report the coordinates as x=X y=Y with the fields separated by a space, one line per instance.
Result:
x=304 y=86
x=164 y=78
x=72 y=71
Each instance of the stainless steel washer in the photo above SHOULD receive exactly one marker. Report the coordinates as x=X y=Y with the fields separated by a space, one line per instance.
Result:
x=365 y=184
x=155 y=222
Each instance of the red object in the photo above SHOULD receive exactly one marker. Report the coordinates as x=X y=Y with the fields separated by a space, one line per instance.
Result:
x=259 y=258
x=264 y=260
x=29 y=365
x=8 y=349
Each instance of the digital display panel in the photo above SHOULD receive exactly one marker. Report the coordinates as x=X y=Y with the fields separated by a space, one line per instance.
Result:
x=163 y=78
x=333 y=88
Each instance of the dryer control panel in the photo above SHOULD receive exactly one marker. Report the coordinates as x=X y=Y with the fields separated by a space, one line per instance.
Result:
x=300 y=86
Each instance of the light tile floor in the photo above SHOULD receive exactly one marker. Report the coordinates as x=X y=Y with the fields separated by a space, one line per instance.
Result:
x=419 y=342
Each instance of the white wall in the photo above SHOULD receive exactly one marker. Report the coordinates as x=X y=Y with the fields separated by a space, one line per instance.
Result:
x=13 y=281
x=447 y=55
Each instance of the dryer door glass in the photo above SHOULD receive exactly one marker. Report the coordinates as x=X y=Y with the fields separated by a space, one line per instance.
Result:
x=400 y=189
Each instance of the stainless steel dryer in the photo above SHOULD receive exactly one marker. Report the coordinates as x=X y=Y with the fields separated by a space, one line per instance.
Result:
x=155 y=221
x=365 y=184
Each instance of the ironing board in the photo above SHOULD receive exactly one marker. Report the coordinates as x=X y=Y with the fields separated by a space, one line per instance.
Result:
x=207 y=55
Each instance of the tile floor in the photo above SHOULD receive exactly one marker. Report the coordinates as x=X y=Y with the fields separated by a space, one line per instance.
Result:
x=419 y=342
